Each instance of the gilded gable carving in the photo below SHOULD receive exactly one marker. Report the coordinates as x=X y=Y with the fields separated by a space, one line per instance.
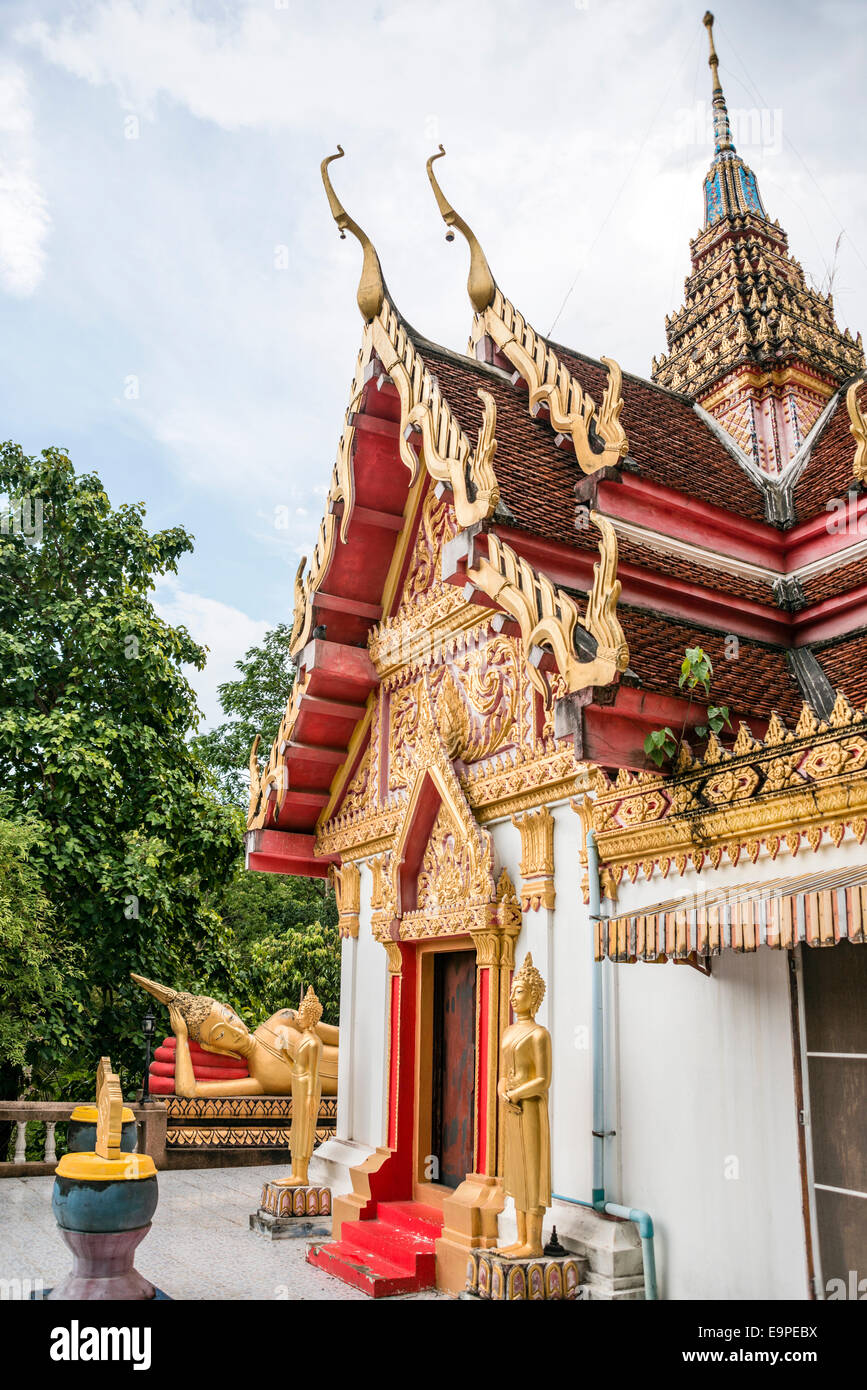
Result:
x=446 y=870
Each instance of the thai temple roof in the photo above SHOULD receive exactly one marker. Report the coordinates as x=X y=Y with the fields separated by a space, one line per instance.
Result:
x=752 y=342
x=712 y=493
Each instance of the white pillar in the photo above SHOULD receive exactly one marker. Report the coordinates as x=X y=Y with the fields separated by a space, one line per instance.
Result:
x=345 y=1071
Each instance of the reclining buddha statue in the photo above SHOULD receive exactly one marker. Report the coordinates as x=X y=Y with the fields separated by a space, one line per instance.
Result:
x=208 y=1026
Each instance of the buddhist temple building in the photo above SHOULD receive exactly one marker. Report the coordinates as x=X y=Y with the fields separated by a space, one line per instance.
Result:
x=522 y=552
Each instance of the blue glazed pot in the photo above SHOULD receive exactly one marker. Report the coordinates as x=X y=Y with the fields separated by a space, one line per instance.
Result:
x=115 y=1205
x=81 y=1137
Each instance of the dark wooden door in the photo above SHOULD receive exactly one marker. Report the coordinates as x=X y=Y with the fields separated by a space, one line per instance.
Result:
x=454 y=1065
x=835 y=1011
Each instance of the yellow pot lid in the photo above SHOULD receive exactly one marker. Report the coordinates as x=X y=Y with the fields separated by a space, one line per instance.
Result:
x=88 y=1114
x=89 y=1167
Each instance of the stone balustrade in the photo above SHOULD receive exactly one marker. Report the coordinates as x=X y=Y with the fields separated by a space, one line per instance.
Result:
x=150 y=1119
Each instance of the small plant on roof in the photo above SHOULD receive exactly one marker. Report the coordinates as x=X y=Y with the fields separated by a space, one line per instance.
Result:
x=696 y=673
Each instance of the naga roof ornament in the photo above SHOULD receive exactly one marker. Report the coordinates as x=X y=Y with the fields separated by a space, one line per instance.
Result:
x=858 y=427
x=597 y=435
x=371 y=286
x=481 y=286
x=547 y=616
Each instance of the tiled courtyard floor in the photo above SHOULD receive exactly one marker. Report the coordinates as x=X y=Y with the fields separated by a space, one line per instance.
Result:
x=200 y=1245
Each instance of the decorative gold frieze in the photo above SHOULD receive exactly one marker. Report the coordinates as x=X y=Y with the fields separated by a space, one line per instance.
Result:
x=537 y=859
x=524 y=779
x=792 y=789
x=360 y=835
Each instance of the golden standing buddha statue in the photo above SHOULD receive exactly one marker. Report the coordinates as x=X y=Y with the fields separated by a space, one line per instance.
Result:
x=525 y=1079
x=306 y=1090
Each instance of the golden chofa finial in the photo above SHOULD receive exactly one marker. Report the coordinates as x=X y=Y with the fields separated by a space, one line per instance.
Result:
x=480 y=284
x=713 y=60
x=722 y=130
x=371 y=286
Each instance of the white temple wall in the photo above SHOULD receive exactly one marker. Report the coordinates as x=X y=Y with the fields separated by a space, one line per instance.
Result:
x=699 y=1082
x=561 y=946
x=707 y=1131
x=363 y=1068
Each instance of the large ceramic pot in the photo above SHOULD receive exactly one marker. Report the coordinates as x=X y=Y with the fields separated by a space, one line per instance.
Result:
x=81 y=1131
x=104 y=1208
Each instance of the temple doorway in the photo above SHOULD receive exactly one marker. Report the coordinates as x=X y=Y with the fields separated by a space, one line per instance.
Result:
x=834 y=990
x=454 y=1065
x=446 y=1089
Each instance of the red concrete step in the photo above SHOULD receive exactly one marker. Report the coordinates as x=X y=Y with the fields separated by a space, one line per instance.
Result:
x=407 y=1249
x=362 y=1268
x=393 y=1253
x=413 y=1216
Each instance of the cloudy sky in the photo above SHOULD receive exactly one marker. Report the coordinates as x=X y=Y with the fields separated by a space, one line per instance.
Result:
x=179 y=310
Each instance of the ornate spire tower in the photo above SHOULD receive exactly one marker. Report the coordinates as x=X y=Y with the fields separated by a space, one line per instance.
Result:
x=752 y=344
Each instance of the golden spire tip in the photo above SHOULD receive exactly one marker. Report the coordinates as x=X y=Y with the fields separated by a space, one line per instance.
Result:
x=371 y=286
x=480 y=283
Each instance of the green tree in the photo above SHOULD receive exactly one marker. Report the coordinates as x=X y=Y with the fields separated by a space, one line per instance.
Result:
x=36 y=963
x=284 y=928
x=253 y=705
x=95 y=718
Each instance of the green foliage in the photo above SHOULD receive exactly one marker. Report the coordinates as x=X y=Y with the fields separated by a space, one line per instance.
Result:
x=660 y=744
x=95 y=714
x=36 y=963
x=696 y=672
x=284 y=929
x=696 y=669
x=253 y=705
x=717 y=719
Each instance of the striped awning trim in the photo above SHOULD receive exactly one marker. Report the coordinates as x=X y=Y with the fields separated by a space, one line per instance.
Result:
x=817 y=909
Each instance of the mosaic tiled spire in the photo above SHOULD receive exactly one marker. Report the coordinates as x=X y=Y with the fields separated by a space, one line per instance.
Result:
x=752 y=343
x=730 y=187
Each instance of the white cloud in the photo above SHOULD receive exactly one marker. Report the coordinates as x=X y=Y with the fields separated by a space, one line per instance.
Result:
x=225 y=631
x=24 y=219
x=575 y=152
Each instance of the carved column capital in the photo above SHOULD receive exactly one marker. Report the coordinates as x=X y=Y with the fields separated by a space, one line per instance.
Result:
x=537 y=859
x=347 y=890
x=395 y=960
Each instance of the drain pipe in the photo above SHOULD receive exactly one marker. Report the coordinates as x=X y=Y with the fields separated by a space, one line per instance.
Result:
x=642 y=1219
x=597 y=1029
